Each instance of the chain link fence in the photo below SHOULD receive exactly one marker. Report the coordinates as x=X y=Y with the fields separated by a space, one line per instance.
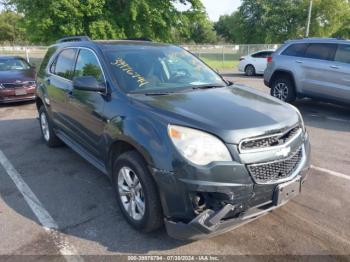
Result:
x=219 y=57
x=226 y=57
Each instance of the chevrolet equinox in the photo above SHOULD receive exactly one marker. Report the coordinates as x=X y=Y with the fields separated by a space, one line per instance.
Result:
x=183 y=147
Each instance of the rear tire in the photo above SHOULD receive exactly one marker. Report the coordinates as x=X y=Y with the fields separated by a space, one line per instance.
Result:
x=46 y=127
x=283 y=88
x=137 y=194
x=250 y=70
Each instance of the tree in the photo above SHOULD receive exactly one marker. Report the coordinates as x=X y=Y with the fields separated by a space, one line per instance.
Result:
x=274 y=21
x=10 y=27
x=106 y=19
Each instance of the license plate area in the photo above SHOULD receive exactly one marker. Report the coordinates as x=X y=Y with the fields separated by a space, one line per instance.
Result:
x=286 y=191
x=20 y=92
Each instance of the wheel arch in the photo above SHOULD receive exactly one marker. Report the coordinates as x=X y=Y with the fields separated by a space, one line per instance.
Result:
x=250 y=64
x=279 y=73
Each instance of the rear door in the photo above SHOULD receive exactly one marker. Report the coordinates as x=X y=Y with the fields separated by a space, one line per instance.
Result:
x=58 y=83
x=260 y=61
x=340 y=71
x=319 y=79
x=85 y=107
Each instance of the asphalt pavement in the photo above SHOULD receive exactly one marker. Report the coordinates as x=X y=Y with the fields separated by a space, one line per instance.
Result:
x=39 y=186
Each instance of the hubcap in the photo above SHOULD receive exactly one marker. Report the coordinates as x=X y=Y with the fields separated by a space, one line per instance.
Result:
x=131 y=193
x=45 y=126
x=281 y=91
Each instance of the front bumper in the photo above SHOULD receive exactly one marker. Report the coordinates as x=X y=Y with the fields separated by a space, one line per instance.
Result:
x=8 y=95
x=232 y=197
x=211 y=223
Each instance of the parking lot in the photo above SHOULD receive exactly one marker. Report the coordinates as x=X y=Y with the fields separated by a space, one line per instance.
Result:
x=79 y=200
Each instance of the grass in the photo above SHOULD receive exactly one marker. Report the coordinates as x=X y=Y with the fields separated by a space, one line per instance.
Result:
x=219 y=64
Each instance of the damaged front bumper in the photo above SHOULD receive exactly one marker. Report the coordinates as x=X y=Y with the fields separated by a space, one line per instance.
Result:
x=212 y=223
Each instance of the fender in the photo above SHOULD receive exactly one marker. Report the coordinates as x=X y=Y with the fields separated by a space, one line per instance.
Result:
x=141 y=134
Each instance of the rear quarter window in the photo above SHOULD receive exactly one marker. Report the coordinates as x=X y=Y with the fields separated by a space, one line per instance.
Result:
x=46 y=60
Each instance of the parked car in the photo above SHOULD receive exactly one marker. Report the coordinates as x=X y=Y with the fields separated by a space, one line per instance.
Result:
x=17 y=80
x=255 y=63
x=313 y=67
x=181 y=146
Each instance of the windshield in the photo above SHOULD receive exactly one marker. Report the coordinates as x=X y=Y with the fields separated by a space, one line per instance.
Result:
x=160 y=69
x=10 y=63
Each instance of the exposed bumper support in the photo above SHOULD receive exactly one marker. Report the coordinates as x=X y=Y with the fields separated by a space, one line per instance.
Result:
x=210 y=223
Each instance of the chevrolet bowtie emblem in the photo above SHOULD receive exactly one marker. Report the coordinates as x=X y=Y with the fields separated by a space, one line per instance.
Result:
x=284 y=152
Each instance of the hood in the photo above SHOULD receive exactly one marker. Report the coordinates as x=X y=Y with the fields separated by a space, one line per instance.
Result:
x=14 y=75
x=231 y=113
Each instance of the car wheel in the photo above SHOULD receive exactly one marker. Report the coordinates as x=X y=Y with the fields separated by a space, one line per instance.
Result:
x=249 y=70
x=283 y=89
x=137 y=194
x=47 y=131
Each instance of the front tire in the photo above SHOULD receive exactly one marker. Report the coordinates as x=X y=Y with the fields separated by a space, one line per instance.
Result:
x=250 y=70
x=48 y=134
x=283 y=89
x=136 y=192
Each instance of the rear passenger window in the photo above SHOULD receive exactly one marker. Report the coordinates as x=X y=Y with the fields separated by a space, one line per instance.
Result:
x=295 y=50
x=343 y=54
x=321 y=51
x=259 y=55
x=64 y=64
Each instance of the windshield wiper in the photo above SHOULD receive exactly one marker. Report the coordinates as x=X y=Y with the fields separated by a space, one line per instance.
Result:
x=207 y=87
x=158 y=93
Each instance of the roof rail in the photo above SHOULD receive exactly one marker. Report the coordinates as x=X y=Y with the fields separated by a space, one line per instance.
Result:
x=73 y=39
x=139 y=39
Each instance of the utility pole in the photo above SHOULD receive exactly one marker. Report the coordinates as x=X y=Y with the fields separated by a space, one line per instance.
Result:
x=309 y=20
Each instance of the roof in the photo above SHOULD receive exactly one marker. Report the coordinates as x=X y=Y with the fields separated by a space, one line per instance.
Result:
x=84 y=41
x=319 y=40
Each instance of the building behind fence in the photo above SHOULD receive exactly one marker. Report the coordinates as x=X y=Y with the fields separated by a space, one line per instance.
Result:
x=217 y=56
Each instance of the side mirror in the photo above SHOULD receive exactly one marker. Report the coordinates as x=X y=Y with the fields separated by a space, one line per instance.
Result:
x=88 y=83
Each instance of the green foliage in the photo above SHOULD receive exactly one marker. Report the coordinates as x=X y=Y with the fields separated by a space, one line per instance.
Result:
x=46 y=21
x=10 y=28
x=274 y=21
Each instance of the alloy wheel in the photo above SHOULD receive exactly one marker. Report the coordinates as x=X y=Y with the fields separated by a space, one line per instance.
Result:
x=131 y=193
x=45 y=126
x=281 y=91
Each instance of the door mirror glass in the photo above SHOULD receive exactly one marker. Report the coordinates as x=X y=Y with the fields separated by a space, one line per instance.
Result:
x=88 y=83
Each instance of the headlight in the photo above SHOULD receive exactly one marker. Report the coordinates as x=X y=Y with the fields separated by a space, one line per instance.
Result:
x=198 y=147
x=1 y=86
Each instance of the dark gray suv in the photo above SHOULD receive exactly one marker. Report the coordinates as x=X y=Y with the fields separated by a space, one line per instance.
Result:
x=181 y=146
x=313 y=67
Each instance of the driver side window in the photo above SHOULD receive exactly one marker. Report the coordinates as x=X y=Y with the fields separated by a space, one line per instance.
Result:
x=88 y=65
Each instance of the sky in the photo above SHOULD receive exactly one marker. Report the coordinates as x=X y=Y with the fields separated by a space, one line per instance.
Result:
x=216 y=8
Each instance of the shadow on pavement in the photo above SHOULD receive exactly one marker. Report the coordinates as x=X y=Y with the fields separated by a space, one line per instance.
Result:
x=78 y=197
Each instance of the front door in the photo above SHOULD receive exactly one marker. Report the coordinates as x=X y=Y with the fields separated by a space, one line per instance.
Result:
x=86 y=107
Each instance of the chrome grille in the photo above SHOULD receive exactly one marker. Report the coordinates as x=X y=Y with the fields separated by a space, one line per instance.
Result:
x=19 y=84
x=269 y=141
x=275 y=171
x=13 y=85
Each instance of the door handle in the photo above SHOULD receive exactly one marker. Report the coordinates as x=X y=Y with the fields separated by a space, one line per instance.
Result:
x=299 y=61
x=335 y=67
